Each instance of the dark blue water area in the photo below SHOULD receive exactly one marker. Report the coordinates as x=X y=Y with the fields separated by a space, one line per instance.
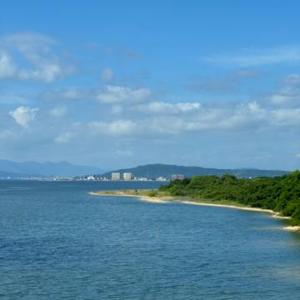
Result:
x=59 y=242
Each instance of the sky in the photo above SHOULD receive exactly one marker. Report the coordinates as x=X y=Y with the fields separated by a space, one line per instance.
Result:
x=115 y=84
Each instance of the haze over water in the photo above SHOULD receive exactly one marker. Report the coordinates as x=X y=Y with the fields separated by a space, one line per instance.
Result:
x=58 y=242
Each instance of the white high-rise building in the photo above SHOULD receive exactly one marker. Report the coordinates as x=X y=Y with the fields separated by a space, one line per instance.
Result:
x=115 y=176
x=127 y=176
x=177 y=177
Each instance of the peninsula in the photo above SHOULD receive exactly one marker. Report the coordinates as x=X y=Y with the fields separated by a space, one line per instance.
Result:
x=279 y=196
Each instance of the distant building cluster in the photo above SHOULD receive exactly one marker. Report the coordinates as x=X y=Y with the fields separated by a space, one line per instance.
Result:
x=127 y=176
x=114 y=176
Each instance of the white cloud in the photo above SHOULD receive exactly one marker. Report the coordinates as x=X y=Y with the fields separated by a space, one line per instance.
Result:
x=286 y=117
x=293 y=79
x=241 y=117
x=47 y=72
x=189 y=119
x=59 y=111
x=72 y=94
x=65 y=137
x=114 y=128
x=282 y=98
x=107 y=74
x=39 y=53
x=7 y=67
x=68 y=94
x=117 y=109
x=182 y=117
x=252 y=58
x=113 y=94
x=24 y=115
x=110 y=94
x=289 y=93
x=25 y=41
x=170 y=108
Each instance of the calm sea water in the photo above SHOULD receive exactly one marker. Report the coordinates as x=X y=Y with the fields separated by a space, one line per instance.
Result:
x=58 y=242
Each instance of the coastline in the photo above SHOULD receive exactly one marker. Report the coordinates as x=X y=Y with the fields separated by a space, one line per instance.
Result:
x=130 y=193
x=145 y=195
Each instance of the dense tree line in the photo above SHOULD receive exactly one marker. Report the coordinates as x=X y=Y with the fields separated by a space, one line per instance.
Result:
x=281 y=194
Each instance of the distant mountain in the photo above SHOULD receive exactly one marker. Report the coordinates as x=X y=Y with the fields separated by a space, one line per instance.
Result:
x=5 y=175
x=156 y=170
x=31 y=168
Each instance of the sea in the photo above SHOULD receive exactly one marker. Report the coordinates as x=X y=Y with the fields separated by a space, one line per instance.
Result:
x=59 y=242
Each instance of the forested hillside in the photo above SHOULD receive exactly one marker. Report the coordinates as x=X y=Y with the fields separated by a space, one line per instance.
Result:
x=281 y=194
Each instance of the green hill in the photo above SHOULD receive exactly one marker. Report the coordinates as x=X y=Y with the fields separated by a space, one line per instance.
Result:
x=157 y=170
x=281 y=194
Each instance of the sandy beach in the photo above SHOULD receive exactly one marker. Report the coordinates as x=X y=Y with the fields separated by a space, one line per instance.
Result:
x=292 y=228
x=142 y=195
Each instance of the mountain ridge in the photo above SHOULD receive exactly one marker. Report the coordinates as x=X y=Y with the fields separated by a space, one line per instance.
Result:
x=167 y=170
x=9 y=168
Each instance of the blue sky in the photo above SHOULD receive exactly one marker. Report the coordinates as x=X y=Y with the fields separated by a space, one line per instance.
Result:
x=120 y=83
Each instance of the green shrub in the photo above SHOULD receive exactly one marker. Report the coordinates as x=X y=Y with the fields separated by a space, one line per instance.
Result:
x=281 y=194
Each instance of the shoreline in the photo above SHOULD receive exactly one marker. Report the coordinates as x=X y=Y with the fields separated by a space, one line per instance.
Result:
x=143 y=196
